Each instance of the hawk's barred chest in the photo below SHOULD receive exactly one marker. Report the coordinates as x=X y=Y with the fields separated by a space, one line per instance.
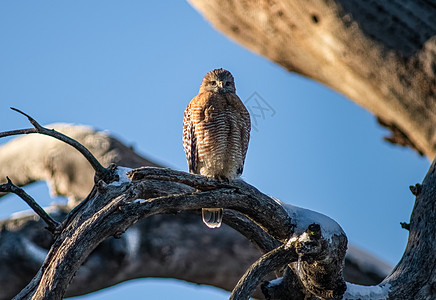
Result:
x=216 y=130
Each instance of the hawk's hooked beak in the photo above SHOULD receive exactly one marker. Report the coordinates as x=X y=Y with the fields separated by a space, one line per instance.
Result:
x=220 y=84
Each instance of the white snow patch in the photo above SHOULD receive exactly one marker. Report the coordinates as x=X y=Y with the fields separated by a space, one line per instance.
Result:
x=304 y=237
x=360 y=292
x=303 y=217
x=122 y=174
x=275 y=282
x=140 y=201
x=133 y=238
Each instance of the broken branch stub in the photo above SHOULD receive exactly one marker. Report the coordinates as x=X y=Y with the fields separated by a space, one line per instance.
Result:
x=101 y=173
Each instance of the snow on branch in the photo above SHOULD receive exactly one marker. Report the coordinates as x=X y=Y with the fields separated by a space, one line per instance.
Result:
x=112 y=208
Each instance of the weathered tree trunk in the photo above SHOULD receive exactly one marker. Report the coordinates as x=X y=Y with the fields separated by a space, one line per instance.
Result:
x=415 y=274
x=380 y=54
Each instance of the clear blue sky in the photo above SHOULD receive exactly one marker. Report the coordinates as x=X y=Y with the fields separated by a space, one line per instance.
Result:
x=131 y=67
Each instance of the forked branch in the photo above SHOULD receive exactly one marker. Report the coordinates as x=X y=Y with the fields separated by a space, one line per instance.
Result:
x=100 y=172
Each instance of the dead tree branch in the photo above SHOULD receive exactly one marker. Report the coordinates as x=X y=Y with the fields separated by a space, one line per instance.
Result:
x=114 y=208
x=143 y=250
x=273 y=219
x=111 y=209
x=268 y=263
x=100 y=171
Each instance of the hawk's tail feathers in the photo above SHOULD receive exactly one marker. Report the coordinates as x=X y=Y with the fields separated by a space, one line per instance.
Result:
x=212 y=217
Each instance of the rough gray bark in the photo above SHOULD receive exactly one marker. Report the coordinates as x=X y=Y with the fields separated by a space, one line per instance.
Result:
x=177 y=256
x=112 y=208
x=380 y=54
x=167 y=246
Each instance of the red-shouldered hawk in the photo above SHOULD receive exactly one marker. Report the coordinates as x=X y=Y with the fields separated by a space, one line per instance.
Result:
x=216 y=131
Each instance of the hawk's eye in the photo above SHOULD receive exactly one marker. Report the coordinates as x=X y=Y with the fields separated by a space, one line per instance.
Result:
x=213 y=83
x=228 y=83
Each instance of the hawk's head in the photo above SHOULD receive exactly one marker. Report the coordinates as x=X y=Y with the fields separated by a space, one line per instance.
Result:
x=218 y=81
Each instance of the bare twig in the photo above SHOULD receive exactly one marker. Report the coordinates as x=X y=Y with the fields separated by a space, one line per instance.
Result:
x=9 y=187
x=101 y=172
x=268 y=263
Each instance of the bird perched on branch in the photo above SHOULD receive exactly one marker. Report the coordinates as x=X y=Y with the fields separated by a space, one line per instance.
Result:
x=216 y=131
